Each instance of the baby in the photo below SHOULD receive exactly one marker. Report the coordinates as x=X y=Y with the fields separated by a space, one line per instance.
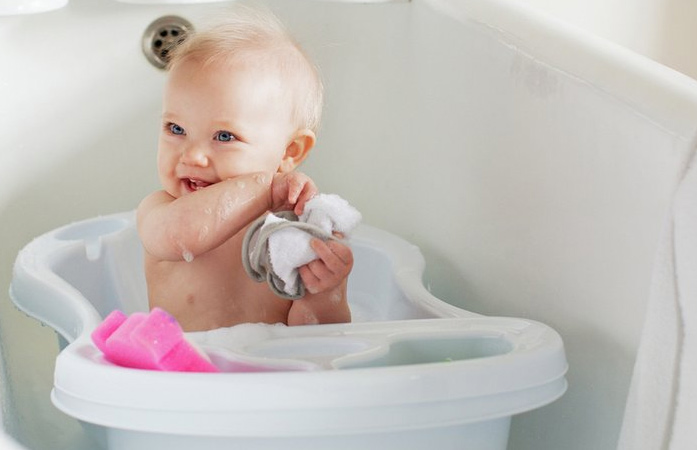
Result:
x=241 y=108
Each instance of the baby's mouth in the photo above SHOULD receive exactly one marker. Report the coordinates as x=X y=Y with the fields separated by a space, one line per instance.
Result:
x=192 y=184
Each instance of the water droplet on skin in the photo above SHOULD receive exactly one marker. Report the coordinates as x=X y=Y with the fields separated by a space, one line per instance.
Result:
x=186 y=254
x=240 y=184
x=208 y=211
x=226 y=207
x=310 y=318
x=203 y=233
x=260 y=178
x=336 y=297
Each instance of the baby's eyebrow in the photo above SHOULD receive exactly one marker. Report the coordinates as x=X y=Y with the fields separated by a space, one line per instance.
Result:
x=169 y=116
x=223 y=124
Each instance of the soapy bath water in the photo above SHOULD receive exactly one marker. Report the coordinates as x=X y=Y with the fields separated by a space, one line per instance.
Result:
x=262 y=343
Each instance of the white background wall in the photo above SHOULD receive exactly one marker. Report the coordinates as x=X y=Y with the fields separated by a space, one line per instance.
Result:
x=663 y=30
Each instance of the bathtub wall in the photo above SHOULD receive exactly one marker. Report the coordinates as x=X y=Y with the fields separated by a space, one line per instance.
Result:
x=533 y=166
x=663 y=30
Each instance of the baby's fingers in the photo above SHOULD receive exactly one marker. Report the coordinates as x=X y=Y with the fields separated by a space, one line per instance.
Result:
x=307 y=191
x=290 y=191
x=336 y=256
x=295 y=188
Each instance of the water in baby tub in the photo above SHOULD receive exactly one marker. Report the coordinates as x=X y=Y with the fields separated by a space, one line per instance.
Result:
x=264 y=347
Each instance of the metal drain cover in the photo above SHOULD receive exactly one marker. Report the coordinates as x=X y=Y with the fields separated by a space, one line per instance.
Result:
x=162 y=36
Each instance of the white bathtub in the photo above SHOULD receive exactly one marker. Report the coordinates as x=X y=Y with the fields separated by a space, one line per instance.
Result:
x=532 y=164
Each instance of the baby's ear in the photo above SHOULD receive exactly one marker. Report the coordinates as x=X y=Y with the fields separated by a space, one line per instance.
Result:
x=297 y=150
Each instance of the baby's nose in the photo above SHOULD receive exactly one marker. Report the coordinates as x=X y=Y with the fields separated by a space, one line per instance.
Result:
x=194 y=155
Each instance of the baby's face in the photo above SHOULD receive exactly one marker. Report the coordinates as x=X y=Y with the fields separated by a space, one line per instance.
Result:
x=220 y=122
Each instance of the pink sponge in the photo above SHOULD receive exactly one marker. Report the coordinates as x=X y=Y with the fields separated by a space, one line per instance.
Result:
x=152 y=341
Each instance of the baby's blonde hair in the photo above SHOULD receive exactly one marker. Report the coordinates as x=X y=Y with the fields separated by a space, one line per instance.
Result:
x=258 y=34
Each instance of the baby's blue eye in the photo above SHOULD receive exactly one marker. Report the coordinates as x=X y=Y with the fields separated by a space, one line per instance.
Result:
x=176 y=129
x=224 y=136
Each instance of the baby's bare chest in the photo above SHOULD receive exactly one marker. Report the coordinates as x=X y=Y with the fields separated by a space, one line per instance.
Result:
x=213 y=285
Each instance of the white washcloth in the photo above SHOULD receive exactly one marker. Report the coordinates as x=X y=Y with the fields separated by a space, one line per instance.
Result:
x=661 y=411
x=289 y=248
x=331 y=213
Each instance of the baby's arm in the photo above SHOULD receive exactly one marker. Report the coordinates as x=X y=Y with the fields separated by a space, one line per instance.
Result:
x=325 y=281
x=178 y=228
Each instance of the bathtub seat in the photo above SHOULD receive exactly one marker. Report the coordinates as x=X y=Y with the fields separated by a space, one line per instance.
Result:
x=411 y=371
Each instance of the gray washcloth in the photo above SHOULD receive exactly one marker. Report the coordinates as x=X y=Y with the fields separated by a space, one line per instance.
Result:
x=256 y=257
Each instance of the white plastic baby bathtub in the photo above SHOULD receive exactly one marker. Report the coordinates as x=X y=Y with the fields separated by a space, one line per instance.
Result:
x=411 y=372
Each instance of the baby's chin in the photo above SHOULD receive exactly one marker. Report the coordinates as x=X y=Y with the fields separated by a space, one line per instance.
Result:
x=174 y=193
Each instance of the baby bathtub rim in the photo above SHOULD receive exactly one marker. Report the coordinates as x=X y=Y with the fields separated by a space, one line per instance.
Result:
x=209 y=410
x=529 y=338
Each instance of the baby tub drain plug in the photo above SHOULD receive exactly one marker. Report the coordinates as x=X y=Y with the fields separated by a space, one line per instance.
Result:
x=162 y=36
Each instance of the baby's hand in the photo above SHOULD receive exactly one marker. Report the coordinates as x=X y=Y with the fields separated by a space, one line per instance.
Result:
x=290 y=191
x=334 y=263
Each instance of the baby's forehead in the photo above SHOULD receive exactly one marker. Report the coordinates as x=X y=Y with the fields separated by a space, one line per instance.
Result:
x=253 y=68
x=260 y=63
x=240 y=83
x=285 y=66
